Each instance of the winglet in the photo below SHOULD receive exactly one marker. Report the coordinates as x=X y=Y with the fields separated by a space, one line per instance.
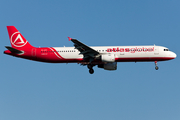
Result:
x=69 y=38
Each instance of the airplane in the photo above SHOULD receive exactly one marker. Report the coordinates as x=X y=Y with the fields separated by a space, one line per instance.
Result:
x=105 y=57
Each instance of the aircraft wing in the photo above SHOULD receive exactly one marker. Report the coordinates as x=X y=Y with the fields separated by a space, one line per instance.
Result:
x=87 y=51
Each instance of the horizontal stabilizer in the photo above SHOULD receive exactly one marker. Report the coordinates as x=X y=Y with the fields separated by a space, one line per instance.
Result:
x=13 y=50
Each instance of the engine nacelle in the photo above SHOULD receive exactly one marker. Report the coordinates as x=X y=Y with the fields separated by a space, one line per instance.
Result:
x=108 y=58
x=109 y=66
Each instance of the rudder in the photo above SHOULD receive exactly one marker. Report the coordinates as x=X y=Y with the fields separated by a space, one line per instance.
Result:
x=17 y=40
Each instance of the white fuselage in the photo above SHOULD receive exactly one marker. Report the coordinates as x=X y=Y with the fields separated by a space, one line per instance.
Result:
x=136 y=52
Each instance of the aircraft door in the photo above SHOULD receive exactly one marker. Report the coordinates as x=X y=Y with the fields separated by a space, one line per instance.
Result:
x=156 y=50
x=34 y=52
x=121 y=50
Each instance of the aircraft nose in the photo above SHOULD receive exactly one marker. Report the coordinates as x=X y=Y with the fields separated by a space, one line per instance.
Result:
x=173 y=55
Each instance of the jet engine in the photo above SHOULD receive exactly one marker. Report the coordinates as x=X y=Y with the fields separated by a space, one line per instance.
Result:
x=108 y=58
x=108 y=66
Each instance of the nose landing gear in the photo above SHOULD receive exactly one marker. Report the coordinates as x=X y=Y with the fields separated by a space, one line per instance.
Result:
x=156 y=65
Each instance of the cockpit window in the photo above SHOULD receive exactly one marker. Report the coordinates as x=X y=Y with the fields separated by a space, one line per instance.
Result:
x=166 y=49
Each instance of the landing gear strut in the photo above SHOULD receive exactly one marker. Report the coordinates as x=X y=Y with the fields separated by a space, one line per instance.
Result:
x=90 y=67
x=156 y=65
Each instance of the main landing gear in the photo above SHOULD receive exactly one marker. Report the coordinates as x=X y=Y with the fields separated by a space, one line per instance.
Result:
x=90 y=67
x=156 y=65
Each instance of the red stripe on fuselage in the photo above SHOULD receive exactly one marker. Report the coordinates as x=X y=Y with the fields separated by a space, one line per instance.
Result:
x=56 y=53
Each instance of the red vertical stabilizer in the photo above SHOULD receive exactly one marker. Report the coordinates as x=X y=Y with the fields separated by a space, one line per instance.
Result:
x=17 y=40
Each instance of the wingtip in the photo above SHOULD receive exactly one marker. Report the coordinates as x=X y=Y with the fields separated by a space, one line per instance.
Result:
x=69 y=38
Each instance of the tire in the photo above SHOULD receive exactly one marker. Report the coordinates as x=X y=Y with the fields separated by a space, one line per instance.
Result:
x=91 y=71
x=156 y=67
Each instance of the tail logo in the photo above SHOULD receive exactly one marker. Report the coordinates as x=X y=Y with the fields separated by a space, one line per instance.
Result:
x=17 y=40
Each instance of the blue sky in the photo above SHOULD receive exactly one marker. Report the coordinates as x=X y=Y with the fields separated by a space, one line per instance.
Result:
x=33 y=90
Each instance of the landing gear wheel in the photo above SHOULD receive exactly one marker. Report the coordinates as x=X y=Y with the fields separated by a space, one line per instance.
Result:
x=91 y=71
x=156 y=67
